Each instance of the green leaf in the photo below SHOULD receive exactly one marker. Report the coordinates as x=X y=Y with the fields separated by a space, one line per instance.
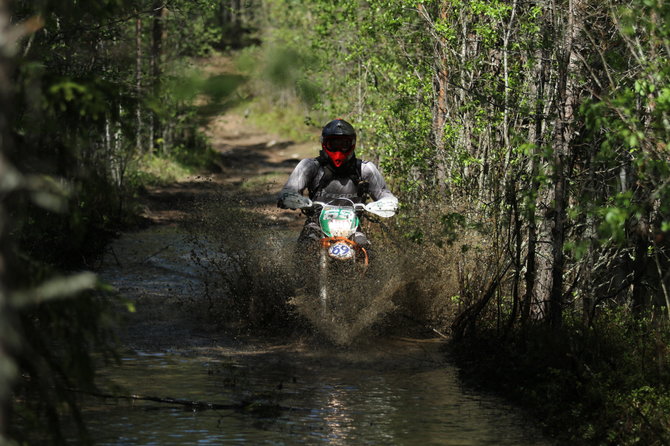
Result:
x=57 y=288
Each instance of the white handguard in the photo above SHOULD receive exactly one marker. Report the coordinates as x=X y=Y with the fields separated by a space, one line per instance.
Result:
x=385 y=207
x=294 y=200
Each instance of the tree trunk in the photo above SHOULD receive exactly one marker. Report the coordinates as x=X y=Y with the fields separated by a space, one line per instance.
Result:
x=563 y=140
x=158 y=14
x=531 y=306
x=506 y=93
x=558 y=235
x=138 y=83
x=157 y=35
x=537 y=281
x=7 y=372
x=441 y=105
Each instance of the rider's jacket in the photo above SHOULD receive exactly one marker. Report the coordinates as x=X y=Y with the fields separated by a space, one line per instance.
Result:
x=325 y=184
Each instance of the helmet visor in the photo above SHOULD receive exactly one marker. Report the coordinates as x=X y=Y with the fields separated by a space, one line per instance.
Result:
x=343 y=144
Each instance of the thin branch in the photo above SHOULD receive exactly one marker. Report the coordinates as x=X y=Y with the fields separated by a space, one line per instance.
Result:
x=194 y=404
x=662 y=277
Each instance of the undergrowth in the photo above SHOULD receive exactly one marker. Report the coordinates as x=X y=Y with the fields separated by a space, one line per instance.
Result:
x=607 y=384
x=289 y=120
x=152 y=170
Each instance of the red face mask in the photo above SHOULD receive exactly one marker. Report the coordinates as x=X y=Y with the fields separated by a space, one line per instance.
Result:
x=339 y=150
x=338 y=158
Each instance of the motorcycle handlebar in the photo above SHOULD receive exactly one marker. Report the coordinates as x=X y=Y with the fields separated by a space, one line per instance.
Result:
x=359 y=207
x=379 y=208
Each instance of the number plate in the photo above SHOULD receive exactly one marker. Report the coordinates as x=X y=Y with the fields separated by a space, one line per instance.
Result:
x=341 y=251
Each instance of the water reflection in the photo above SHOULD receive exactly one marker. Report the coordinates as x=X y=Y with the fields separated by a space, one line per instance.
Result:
x=293 y=399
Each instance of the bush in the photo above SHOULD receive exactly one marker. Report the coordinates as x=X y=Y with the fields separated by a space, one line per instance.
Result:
x=605 y=384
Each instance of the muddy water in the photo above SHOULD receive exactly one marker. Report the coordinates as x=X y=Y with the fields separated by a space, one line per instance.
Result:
x=304 y=398
x=381 y=391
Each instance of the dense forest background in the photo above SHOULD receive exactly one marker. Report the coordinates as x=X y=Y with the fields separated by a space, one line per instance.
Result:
x=530 y=135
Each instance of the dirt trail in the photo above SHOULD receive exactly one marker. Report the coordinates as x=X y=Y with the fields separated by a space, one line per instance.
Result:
x=153 y=268
x=247 y=155
x=171 y=270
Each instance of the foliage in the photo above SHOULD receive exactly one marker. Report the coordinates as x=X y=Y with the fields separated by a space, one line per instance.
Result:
x=342 y=61
x=541 y=124
x=56 y=362
x=607 y=384
x=537 y=130
x=94 y=102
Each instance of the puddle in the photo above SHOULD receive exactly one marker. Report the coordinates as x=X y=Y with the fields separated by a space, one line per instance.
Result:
x=279 y=392
x=394 y=393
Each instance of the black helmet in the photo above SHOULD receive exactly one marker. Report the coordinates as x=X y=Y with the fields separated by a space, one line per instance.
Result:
x=338 y=127
x=338 y=140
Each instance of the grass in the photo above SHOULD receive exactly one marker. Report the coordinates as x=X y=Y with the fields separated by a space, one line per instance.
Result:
x=153 y=170
x=290 y=121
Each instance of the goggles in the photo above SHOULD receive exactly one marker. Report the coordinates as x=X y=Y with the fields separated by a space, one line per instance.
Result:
x=344 y=144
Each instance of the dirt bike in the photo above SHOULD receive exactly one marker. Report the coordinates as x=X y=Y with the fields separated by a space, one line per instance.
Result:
x=339 y=257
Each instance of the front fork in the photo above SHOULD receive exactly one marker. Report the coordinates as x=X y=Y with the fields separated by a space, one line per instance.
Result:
x=323 y=278
x=325 y=287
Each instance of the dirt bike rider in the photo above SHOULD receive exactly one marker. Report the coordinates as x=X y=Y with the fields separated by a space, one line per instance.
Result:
x=336 y=173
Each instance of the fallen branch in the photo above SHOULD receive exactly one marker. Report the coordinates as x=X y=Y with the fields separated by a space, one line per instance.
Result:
x=246 y=406
x=425 y=326
x=168 y=400
x=467 y=319
x=155 y=253
x=442 y=335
